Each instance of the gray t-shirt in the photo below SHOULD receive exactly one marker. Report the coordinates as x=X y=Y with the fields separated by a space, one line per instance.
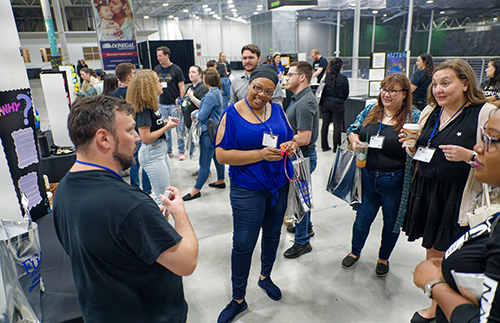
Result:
x=239 y=90
x=303 y=114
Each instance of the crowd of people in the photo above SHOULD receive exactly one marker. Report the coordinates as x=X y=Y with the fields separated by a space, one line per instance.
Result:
x=425 y=191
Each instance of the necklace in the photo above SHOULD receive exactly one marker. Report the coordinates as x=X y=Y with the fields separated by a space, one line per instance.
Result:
x=388 y=116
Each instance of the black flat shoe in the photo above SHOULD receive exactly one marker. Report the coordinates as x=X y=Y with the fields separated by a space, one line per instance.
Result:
x=417 y=318
x=222 y=185
x=189 y=197
x=326 y=149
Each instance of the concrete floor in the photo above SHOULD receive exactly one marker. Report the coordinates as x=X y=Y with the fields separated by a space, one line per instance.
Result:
x=315 y=287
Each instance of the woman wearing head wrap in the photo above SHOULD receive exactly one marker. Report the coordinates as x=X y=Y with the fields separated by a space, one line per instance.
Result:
x=248 y=139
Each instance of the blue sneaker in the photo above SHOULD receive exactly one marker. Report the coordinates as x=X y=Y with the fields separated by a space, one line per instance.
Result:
x=270 y=288
x=232 y=309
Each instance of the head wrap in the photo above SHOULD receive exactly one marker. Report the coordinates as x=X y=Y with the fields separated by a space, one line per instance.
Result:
x=266 y=71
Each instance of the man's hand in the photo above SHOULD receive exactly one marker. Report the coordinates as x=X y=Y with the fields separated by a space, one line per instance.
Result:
x=174 y=205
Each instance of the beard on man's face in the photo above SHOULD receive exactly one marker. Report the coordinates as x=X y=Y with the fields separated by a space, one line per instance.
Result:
x=124 y=160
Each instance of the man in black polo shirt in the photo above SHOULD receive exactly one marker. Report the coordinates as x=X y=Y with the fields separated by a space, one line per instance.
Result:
x=303 y=115
x=319 y=65
x=172 y=80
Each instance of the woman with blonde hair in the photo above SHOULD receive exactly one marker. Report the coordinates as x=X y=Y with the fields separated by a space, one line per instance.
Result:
x=444 y=188
x=143 y=92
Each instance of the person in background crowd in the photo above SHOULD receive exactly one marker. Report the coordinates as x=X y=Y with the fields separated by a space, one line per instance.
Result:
x=143 y=92
x=122 y=15
x=421 y=80
x=388 y=172
x=319 y=65
x=303 y=115
x=222 y=60
x=332 y=107
x=210 y=110
x=172 y=80
x=473 y=254
x=250 y=57
x=81 y=64
x=259 y=187
x=269 y=60
x=280 y=69
x=443 y=188
x=491 y=87
x=212 y=64
x=127 y=259
x=225 y=83
x=89 y=80
x=99 y=85
x=125 y=72
x=110 y=84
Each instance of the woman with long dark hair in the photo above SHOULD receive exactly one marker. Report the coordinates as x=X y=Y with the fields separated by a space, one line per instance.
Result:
x=491 y=87
x=421 y=80
x=332 y=105
x=110 y=84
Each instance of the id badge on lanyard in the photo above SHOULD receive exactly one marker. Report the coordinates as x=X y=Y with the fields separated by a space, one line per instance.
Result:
x=376 y=142
x=164 y=85
x=270 y=140
x=424 y=154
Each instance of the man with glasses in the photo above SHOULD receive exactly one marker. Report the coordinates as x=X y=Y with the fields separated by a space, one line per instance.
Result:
x=303 y=115
x=250 y=57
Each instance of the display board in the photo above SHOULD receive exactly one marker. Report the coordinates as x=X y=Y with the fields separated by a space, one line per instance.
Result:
x=396 y=63
x=20 y=149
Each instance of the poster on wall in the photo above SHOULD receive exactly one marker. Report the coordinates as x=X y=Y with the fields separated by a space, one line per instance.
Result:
x=116 y=32
x=396 y=63
x=19 y=142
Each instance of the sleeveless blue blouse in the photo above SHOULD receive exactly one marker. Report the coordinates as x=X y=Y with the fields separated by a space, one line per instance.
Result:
x=243 y=135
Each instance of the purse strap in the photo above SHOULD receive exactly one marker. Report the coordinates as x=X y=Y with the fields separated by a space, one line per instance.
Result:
x=219 y=103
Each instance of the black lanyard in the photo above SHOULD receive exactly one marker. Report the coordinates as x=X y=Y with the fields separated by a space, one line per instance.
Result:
x=99 y=166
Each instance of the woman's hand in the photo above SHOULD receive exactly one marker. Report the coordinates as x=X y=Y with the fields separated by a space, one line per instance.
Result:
x=171 y=123
x=426 y=271
x=402 y=138
x=289 y=147
x=456 y=153
x=190 y=93
x=354 y=140
x=270 y=154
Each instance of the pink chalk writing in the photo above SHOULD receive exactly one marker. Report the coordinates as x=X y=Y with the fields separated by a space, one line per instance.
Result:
x=9 y=108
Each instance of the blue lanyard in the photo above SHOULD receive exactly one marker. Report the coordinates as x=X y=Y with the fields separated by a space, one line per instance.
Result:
x=194 y=87
x=437 y=122
x=166 y=72
x=99 y=166
x=265 y=111
x=385 y=125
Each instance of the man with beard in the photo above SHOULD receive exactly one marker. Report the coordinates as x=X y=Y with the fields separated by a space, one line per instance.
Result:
x=250 y=57
x=127 y=259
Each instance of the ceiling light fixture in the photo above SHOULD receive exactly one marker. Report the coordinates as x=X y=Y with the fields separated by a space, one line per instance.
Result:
x=207 y=9
x=212 y=12
x=234 y=10
x=259 y=5
x=229 y=1
x=430 y=1
x=442 y=12
x=495 y=19
x=165 y=4
x=259 y=9
x=171 y=16
x=185 y=10
x=255 y=13
x=231 y=6
x=146 y=17
x=196 y=17
x=374 y=11
x=385 y=15
x=205 y=6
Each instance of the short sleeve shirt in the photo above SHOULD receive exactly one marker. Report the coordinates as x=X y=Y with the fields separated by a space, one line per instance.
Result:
x=422 y=82
x=323 y=63
x=150 y=118
x=170 y=76
x=303 y=114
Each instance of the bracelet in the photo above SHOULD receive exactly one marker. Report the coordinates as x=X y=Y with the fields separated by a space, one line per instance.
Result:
x=497 y=97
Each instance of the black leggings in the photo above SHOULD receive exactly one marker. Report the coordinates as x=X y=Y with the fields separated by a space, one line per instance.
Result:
x=333 y=114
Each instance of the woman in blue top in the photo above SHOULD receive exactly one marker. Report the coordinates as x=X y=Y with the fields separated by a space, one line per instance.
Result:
x=280 y=69
x=210 y=109
x=225 y=83
x=248 y=137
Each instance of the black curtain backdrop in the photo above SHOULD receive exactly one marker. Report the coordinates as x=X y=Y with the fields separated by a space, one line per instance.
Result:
x=484 y=43
x=181 y=53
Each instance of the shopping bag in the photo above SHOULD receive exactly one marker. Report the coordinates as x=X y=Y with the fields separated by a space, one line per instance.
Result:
x=20 y=280
x=183 y=131
x=345 y=178
x=193 y=140
x=300 y=191
x=484 y=210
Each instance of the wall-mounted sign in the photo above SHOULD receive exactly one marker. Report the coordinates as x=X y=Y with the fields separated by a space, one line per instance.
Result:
x=273 y=4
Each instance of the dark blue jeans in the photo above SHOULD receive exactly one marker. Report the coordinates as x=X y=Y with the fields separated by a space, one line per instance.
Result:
x=253 y=210
x=384 y=190
x=134 y=173
x=207 y=154
x=301 y=233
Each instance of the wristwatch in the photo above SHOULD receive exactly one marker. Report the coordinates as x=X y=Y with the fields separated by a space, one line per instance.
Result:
x=432 y=283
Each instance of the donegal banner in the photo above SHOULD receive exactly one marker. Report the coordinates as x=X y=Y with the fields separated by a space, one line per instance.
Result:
x=19 y=141
x=116 y=32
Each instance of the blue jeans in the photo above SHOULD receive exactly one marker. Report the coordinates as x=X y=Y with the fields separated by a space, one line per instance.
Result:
x=301 y=229
x=154 y=160
x=384 y=190
x=252 y=210
x=169 y=111
x=134 y=173
x=207 y=153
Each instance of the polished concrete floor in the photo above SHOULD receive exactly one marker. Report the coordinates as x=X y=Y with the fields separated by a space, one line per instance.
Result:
x=315 y=287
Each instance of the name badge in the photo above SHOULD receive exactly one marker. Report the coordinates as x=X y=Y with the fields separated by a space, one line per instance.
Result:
x=270 y=140
x=424 y=154
x=164 y=84
x=376 y=142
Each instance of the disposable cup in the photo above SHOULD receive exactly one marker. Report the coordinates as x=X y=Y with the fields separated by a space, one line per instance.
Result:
x=361 y=154
x=410 y=131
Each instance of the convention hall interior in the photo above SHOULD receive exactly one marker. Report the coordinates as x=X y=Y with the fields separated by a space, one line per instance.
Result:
x=315 y=287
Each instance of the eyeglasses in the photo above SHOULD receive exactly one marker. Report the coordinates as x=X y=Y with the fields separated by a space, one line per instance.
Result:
x=258 y=89
x=487 y=140
x=292 y=74
x=391 y=92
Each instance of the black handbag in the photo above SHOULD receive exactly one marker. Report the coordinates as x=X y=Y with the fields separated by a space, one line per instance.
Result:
x=213 y=124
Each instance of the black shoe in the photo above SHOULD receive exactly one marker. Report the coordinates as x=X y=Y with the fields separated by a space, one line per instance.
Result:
x=326 y=149
x=223 y=185
x=270 y=288
x=417 y=318
x=382 y=269
x=310 y=230
x=349 y=261
x=297 y=250
x=189 y=197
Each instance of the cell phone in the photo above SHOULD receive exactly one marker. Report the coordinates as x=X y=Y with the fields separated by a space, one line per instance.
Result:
x=176 y=120
x=168 y=194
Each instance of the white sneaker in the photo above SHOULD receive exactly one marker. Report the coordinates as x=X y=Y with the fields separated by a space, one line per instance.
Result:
x=182 y=156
